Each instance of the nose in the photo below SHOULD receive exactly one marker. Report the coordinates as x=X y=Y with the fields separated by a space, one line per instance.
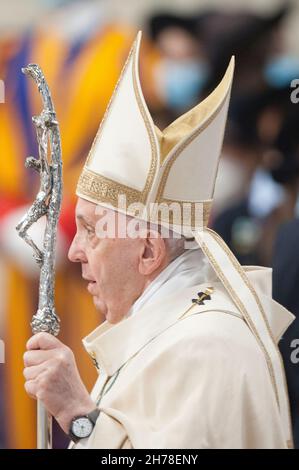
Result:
x=76 y=252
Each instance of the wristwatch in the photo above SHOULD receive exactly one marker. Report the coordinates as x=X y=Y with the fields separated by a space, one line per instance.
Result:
x=82 y=426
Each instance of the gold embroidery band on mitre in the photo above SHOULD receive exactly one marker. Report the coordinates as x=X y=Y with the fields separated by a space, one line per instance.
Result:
x=102 y=190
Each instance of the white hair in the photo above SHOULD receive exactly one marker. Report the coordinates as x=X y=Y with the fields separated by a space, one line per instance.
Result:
x=175 y=246
x=175 y=243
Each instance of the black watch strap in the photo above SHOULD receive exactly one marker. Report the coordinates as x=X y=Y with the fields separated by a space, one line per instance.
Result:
x=93 y=415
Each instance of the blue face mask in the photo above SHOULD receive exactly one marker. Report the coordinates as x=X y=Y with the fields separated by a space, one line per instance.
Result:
x=281 y=70
x=56 y=3
x=183 y=83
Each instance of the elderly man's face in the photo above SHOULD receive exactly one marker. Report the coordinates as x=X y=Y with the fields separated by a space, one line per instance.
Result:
x=117 y=269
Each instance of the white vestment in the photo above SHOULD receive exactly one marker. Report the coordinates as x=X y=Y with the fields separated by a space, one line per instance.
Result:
x=175 y=374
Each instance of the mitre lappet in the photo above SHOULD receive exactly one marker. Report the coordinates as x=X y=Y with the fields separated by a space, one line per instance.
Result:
x=169 y=176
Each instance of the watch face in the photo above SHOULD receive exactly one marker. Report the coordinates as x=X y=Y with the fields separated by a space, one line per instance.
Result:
x=82 y=427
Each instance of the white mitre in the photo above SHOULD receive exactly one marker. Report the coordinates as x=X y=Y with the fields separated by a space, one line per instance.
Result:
x=132 y=157
x=176 y=167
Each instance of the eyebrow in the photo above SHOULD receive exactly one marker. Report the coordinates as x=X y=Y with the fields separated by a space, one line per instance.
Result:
x=84 y=219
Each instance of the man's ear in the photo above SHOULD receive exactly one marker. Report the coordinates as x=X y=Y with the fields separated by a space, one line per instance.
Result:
x=153 y=254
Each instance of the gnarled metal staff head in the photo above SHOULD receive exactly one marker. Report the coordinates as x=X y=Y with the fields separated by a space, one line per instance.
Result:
x=47 y=203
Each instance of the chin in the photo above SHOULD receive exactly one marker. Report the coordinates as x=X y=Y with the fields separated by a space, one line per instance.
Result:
x=100 y=305
x=110 y=316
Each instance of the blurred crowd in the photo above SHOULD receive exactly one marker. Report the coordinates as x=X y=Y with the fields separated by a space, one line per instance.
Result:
x=183 y=58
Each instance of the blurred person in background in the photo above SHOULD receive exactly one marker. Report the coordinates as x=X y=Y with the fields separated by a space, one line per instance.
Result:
x=245 y=210
x=72 y=44
x=285 y=254
x=255 y=39
x=194 y=50
x=184 y=70
x=245 y=213
x=282 y=161
x=285 y=291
